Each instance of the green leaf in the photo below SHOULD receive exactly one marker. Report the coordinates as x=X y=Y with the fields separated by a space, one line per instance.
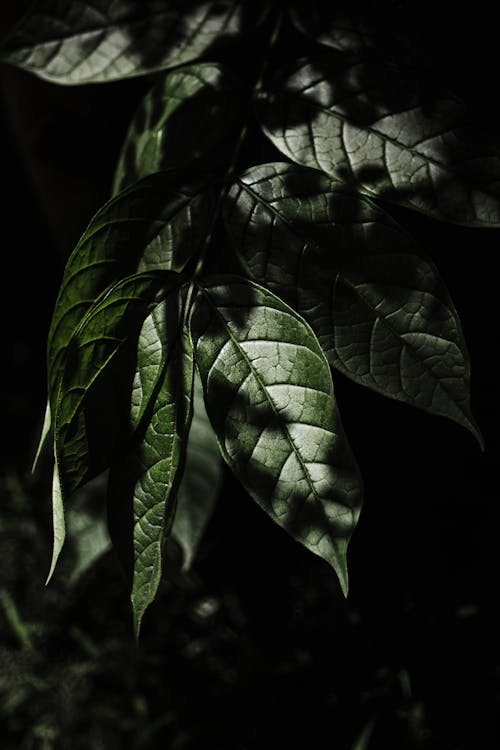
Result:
x=87 y=425
x=157 y=223
x=378 y=306
x=269 y=396
x=144 y=480
x=200 y=483
x=170 y=126
x=367 y=125
x=105 y=40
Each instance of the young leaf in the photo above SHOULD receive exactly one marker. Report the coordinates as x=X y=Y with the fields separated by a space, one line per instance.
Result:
x=170 y=126
x=269 y=396
x=366 y=124
x=200 y=483
x=145 y=478
x=157 y=223
x=105 y=40
x=378 y=307
x=86 y=425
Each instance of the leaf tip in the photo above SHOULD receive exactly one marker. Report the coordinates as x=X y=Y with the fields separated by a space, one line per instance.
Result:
x=340 y=565
x=58 y=521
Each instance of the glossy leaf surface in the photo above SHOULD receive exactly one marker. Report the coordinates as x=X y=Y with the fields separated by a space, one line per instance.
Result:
x=365 y=124
x=378 y=307
x=82 y=404
x=106 y=40
x=269 y=396
x=158 y=223
x=170 y=127
x=145 y=479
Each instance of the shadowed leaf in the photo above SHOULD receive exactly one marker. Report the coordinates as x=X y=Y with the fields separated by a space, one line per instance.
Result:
x=106 y=40
x=269 y=396
x=378 y=307
x=365 y=124
x=170 y=127
x=144 y=480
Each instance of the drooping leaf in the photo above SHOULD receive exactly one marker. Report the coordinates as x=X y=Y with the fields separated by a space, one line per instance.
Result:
x=170 y=127
x=200 y=483
x=144 y=480
x=105 y=40
x=366 y=124
x=157 y=223
x=88 y=424
x=378 y=306
x=269 y=396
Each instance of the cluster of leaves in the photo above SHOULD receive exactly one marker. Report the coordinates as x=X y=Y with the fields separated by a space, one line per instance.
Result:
x=207 y=302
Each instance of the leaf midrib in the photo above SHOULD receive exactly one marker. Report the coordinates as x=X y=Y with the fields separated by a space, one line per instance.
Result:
x=277 y=415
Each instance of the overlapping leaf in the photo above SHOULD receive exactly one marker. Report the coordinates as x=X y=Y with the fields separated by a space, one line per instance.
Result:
x=269 y=395
x=200 y=483
x=378 y=307
x=170 y=127
x=159 y=223
x=87 y=41
x=146 y=477
x=364 y=123
x=79 y=407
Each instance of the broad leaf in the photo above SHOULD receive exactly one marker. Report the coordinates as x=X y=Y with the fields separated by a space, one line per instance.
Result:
x=144 y=480
x=158 y=223
x=269 y=396
x=200 y=483
x=105 y=40
x=367 y=125
x=170 y=126
x=378 y=307
x=87 y=425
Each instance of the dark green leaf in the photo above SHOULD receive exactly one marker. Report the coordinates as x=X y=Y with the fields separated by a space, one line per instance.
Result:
x=144 y=480
x=378 y=307
x=105 y=40
x=200 y=483
x=170 y=127
x=365 y=124
x=269 y=396
x=80 y=408
x=158 y=223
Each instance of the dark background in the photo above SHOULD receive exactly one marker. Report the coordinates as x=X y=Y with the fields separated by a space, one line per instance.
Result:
x=256 y=647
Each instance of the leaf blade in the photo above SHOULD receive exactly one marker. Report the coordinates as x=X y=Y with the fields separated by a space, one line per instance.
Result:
x=83 y=42
x=363 y=123
x=169 y=128
x=310 y=486
x=378 y=306
x=144 y=480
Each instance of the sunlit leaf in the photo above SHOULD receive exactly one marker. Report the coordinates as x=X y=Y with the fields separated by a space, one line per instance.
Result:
x=157 y=223
x=200 y=483
x=105 y=40
x=269 y=396
x=170 y=126
x=366 y=124
x=377 y=305
x=144 y=480
x=80 y=408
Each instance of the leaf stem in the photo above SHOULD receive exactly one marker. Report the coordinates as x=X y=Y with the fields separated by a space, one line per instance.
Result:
x=235 y=156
